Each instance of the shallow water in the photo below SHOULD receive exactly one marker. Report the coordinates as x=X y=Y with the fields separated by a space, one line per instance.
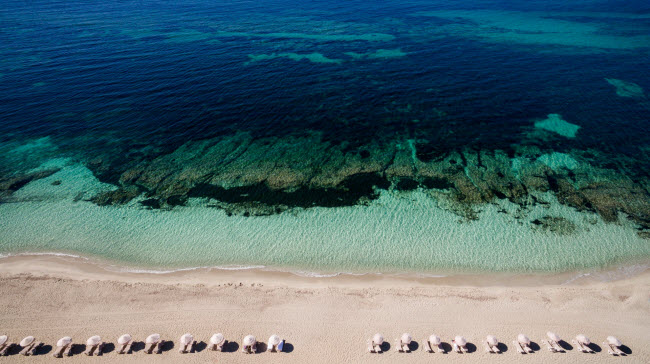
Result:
x=333 y=136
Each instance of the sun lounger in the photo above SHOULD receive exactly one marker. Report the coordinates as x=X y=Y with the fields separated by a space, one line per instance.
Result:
x=455 y=346
x=3 y=341
x=433 y=342
x=124 y=344
x=93 y=346
x=487 y=347
x=217 y=341
x=377 y=342
x=275 y=344
x=524 y=342
x=578 y=346
x=460 y=344
x=584 y=343
x=549 y=347
x=26 y=344
x=152 y=343
x=557 y=347
x=32 y=350
x=249 y=345
x=374 y=344
x=68 y=350
x=516 y=344
x=402 y=344
x=5 y=346
x=158 y=349
x=492 y=344
x=615 y=344
x=186 y=344
x=428 y=347
x=61 y=346
x=128 y=347
x=554 y=341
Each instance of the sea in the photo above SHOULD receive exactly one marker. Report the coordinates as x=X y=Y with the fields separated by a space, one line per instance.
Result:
x=327 y=136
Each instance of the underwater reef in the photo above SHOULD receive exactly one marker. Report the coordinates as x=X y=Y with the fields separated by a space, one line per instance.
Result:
x=261 y=176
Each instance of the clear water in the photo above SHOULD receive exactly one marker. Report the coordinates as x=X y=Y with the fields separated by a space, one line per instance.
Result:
x=328 y=136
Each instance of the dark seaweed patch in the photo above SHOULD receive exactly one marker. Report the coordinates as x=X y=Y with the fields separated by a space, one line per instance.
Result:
x=151 y=203
x=552 y=183
x=347 y=194
x=439 y=183
x=406 y=184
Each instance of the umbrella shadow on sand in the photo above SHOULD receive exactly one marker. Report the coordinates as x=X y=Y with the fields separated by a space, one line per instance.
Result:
x=261 y=347
x=565 y=345
x=385 y=346
x=77 y=349
x=287 y=348
x=200 y=346
x=167 y=346
x=108 y=348
x=43 y=349
x=137 y=346
x=230 y=347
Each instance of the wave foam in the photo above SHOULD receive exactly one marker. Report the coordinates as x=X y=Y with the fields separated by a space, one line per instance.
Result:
x=55 y=254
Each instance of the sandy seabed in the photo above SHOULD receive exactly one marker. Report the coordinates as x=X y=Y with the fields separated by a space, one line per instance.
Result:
x=323 y=320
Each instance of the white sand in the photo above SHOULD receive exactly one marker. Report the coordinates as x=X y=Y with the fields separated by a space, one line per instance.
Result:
x=326 y=320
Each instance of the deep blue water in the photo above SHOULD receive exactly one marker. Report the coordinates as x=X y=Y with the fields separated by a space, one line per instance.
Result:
x=97 y=77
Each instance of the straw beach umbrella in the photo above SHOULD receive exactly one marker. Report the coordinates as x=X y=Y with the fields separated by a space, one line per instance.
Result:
x=186 y=339
x=274 y=340
x=582 y=339
x=249 y=340
x=217 y=339
x=492 y=340
x=93 y=340
x=124 y=339
x=523 y=339
x=459 y=340
x=26 y=341
x=64 y=341
x=378 y=339
x=406 y=338
x=553 y=336
x=611 y=340
x=153 y=338
x=435 y=339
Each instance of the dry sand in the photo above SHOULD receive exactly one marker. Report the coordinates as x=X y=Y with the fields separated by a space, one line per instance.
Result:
x=324 y=320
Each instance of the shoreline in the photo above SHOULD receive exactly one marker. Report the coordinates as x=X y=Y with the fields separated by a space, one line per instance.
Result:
x=70 y=265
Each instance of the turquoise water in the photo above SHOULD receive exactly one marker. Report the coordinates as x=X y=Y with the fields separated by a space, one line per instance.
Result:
x=332 y=136
x=398 y=232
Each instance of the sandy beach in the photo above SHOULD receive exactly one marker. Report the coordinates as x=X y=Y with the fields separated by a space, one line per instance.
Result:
x=323 y=320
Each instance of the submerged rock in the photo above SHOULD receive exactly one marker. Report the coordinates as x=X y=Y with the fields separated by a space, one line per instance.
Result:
x=626 y=89
x=558 y=225
x=260 y=176
x=554 y=123
x=119 y=196
x=9 y=185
